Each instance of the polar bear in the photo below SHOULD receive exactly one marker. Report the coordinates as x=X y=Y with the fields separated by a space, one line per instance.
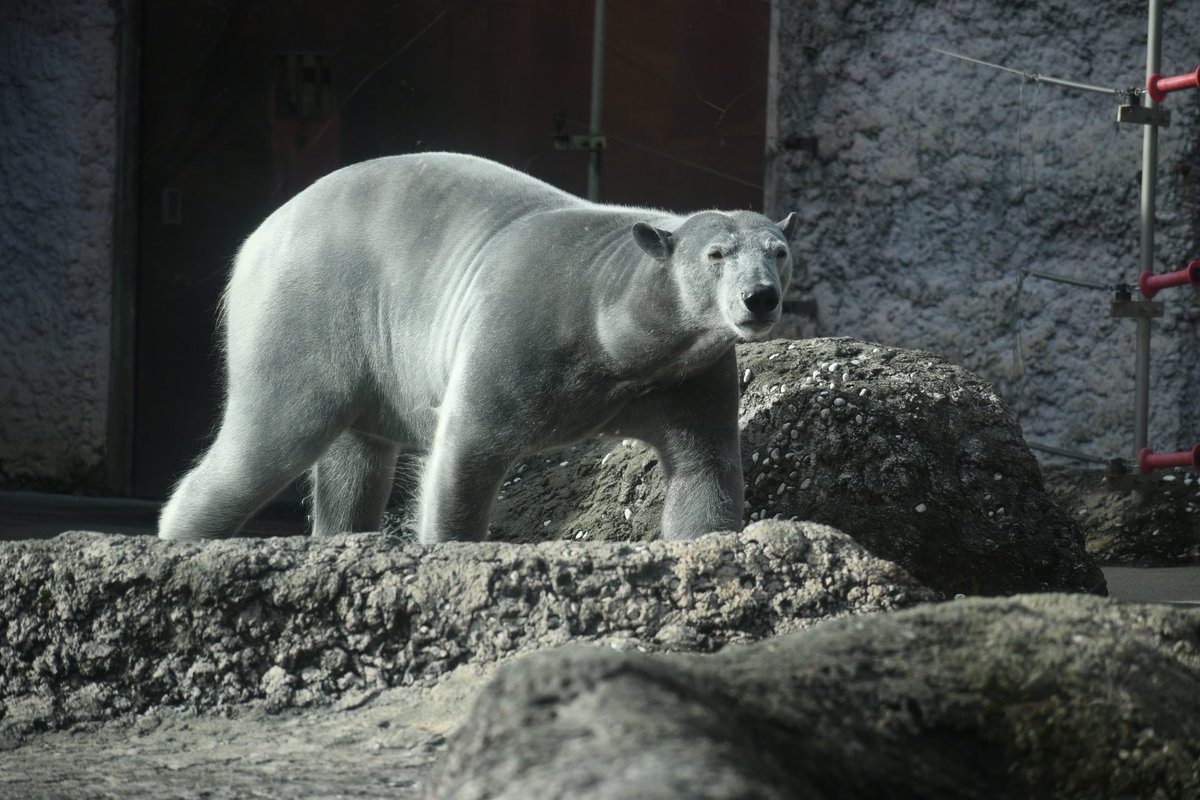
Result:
x=449 y=306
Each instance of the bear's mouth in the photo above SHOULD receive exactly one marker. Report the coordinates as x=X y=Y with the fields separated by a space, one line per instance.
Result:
x=753 y=330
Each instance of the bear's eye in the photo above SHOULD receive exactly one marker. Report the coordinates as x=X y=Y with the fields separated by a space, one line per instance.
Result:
x=716 y=254
x=781 y=253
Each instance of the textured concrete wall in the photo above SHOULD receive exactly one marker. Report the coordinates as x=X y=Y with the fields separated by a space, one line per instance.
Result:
x=926 y=184
x=58 y=75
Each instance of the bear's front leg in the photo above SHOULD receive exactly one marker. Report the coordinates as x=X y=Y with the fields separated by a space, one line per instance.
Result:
x=694 y=427
x=704 y=493
x=466 y=464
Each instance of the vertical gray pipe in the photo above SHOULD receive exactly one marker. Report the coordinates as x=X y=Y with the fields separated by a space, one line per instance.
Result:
x=597 y=101
x=1141 y=389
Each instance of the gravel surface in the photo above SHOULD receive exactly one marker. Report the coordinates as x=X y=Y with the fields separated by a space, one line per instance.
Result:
x=1157 y=526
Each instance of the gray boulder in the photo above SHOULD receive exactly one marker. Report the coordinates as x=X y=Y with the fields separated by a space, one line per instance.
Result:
x=916 y=458
x=93 y=626
x=1037 y=696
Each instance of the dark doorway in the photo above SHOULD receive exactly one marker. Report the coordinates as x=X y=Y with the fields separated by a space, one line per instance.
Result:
x=245 y=102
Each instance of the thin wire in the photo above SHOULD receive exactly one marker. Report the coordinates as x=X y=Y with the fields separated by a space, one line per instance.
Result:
x=403 y=49
x=1018 y=345
x=1033 y=76
x=1065 y=453
x=346 y=100
x=671 y=157
x=694 y=165
x=1021 y=151
x=1080 y=282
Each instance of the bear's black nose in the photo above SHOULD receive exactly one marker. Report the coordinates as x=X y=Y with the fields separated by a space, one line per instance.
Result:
x=762 y=300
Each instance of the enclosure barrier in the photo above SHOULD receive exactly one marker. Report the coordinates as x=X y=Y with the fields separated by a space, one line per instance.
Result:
x=1149 y=283
x=1148 y=462
x=1158 y=86
x=1142 y=109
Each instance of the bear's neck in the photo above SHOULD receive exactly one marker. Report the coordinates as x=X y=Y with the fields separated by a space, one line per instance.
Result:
x=641 y=325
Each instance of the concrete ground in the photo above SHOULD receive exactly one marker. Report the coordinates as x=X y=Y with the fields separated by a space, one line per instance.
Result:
x=37 y=515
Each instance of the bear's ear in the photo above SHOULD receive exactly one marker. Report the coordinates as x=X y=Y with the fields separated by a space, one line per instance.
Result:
x=658 y=244
x=788 y=225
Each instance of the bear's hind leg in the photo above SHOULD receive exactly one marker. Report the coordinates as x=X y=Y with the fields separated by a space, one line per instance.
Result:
x=351 y=484
x=259 y=450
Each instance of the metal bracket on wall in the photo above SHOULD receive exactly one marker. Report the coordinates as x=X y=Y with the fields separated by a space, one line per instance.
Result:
x=1119 y=478
x=563 y=141
x=1137 y=309
x=592 y=142
x=1137 y=114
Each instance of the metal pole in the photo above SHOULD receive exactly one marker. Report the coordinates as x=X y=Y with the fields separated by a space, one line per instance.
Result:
x=1141 y=392
x=770 y=201
x=597 y=101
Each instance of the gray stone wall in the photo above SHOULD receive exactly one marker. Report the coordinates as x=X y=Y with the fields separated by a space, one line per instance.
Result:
x=926 y=184
x=58 y=77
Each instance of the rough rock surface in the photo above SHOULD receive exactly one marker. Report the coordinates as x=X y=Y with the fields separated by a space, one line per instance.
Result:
x=1157 y=526
x=93 y=626
x=1038 y=696
x=916 y=458
x=925 y=185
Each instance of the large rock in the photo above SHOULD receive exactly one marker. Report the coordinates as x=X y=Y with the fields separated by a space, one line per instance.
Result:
x=93 y=626
x=1038 y=696
x=917 y=459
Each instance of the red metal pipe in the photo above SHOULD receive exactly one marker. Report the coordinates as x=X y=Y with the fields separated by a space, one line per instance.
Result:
x=1148 y=462
x=1158 y=86
x=1150 y=283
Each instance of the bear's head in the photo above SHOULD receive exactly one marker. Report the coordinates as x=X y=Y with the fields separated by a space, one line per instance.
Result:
x=731 y=268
